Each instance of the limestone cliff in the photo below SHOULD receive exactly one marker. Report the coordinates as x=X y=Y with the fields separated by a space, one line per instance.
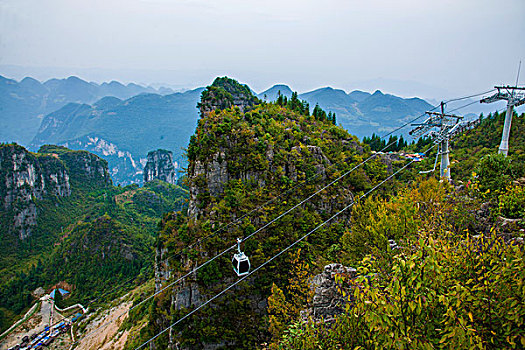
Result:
x=328 y=299
x=26 y=178
x=160 y=166
x=239 y=158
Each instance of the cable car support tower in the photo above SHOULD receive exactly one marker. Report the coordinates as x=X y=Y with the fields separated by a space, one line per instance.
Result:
x=447 y=125
x=515 y=96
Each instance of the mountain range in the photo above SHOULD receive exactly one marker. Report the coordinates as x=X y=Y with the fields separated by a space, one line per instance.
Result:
x=361 y=113
x=121 y=123
x=124 y=131
x=24 y=103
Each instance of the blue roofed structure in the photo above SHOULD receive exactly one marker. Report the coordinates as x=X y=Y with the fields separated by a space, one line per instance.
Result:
x=60 y=290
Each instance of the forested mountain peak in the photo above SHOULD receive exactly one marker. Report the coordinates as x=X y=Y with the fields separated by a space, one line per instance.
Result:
x=239 y=159
x=225 y=92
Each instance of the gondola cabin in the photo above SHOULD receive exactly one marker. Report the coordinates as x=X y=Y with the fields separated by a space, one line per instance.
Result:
x=240 y=262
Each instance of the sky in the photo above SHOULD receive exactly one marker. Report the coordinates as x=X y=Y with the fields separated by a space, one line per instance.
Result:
x=423 y=48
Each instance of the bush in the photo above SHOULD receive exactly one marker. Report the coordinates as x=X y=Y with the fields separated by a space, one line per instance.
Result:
x=512 y=203
x=440 y=293
x=493 y=174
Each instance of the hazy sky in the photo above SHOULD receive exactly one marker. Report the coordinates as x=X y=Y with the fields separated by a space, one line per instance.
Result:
x=454 y=46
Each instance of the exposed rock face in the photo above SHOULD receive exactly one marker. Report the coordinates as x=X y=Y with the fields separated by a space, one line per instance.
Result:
x=125 y=167
x=26 y=178
x=214 y=174
x=388 y=159
x=162 y=268
x=328 y=301
x=228 y=150
x=160 y=166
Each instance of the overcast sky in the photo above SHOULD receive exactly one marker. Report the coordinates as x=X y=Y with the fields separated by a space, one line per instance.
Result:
x=424 y=47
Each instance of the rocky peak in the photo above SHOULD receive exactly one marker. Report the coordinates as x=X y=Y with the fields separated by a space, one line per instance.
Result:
x=239 y=160
x=160 y=166
x=225 y=93
x=25 y=178
x=83 y=167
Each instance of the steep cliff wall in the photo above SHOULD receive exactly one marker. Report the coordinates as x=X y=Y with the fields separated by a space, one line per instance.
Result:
x=160 y=166
x=239 y=158
x=84 y=168
x=26 y=178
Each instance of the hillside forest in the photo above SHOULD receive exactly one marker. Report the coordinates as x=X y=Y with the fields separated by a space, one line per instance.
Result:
x=429 y=263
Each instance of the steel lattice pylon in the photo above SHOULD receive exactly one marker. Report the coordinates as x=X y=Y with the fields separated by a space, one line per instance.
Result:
x=440 y=127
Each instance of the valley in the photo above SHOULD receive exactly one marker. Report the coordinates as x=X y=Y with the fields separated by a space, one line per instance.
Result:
x=152 y=263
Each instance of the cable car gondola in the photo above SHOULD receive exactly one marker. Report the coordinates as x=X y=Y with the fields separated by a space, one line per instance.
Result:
x=240 y=262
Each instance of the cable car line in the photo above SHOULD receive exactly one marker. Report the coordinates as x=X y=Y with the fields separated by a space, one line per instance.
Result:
x=233 y=246
x=264 y=226
x=276 y=255
x=221 y=228
x=214 y=233
x=461 y=107
x=465 y=97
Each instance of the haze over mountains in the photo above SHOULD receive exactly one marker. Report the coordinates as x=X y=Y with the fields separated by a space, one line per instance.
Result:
x=361 y=113
x=24 y=103
x=124 y=131
x=121 y=123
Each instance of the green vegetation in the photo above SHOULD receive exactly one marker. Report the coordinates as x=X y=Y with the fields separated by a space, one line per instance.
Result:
x=378 y=144
x=94 y=239
x=443 y=288
x=483 y=140
x=265 y=149
x=454 y=282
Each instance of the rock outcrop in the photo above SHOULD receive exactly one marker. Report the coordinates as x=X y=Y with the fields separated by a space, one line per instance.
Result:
x=242 y=155
x=26 y=178
x=160 y=166
x=225 y=93
x=329 y=299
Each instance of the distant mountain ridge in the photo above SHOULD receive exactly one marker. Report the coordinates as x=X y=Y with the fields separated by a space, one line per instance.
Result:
x=361 y=113
x=24 y=103
x=124 y=131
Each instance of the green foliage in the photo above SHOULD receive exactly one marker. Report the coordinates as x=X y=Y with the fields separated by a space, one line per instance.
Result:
x=223 y=93
x=284 y=308
x=266 y=150
x=511 y=203
x=376 y=220
x=472 y=145
x=59 y=299
x=396 y=144
x=278 y=314
x=442 y=289
x=94 y=239
x=493 y=173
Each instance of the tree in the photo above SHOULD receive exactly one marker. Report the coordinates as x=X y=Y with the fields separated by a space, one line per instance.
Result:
x=58 y=299
x=493 y=172
x=282 y=309
x=278 y=313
